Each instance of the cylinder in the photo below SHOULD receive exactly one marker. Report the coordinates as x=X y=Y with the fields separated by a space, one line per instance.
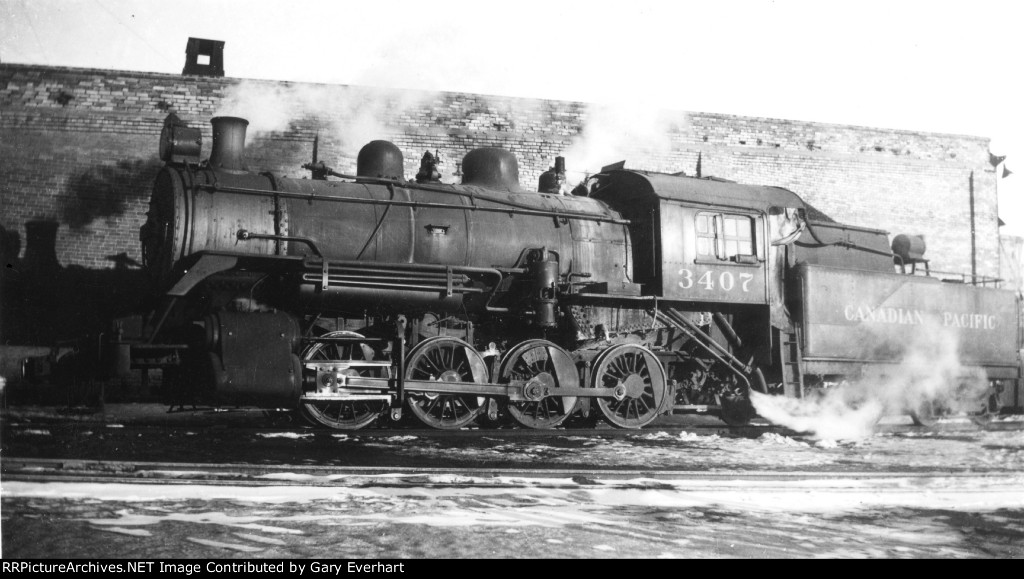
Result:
x=228 y=143
x=251 y=359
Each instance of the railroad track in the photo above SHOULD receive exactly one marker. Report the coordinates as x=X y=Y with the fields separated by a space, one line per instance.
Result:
x=260 y=421
x=163 y=473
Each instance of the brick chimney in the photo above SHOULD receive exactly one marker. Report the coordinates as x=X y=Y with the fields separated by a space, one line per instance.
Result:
x=204 y=57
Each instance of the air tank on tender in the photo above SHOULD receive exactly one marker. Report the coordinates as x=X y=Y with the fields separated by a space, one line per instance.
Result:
x=910 y=248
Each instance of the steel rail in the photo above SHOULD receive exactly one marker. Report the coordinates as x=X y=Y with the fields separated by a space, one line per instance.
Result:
x=140 y=472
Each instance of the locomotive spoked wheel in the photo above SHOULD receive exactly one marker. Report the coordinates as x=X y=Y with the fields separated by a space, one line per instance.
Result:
x=638 y=375
x=544 y=364
x=444 y=359
x=333 y=414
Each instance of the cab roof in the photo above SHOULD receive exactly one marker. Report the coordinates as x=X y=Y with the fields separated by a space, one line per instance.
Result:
x=630 y=185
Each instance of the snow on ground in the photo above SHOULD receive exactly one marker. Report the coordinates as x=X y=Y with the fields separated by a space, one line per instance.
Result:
x=959 y=450
x=974 y=516
x=36 y=431
x=294 y=435
x=971 y=504
x=775 y=494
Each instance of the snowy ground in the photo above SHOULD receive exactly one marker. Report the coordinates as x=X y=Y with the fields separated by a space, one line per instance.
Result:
x=935 y=517
x=970 y=502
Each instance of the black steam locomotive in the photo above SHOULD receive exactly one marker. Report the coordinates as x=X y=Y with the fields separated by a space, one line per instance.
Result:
x=637 y=295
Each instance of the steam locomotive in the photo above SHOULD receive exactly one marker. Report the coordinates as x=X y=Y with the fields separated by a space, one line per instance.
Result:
x=357 y=298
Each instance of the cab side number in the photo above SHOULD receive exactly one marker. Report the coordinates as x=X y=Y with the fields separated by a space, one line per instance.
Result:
x=726 y=280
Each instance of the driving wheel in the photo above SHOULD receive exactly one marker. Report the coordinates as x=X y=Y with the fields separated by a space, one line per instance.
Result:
x=638 y=378
x=445 y=359
x=543 y=366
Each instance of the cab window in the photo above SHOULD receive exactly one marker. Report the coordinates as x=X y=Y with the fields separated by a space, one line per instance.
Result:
x=724 y=236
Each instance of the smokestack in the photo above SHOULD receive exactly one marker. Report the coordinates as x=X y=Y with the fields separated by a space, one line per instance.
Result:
x=228 y=143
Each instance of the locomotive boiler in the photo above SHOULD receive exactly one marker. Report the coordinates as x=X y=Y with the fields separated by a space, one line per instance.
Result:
x=641 y=294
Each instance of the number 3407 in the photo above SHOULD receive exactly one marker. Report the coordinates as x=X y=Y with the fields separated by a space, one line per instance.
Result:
x=725 y=280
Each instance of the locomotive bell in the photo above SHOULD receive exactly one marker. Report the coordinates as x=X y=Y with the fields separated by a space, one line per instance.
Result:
x=491 y=167
x=380 y=159
x=228 y=143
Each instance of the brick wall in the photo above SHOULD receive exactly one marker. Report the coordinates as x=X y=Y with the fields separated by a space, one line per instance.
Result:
x=79 y=147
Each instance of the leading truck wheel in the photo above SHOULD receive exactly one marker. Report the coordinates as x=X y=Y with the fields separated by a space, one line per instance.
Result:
x=444 y=359
x=334 y=414
x=638 y=378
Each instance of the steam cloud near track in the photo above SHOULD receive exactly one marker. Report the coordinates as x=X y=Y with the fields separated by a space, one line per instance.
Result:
x=929 y=370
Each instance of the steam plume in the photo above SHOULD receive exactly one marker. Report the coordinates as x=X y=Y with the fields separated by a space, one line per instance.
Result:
x=640 y=135
x=929 y=371
x=350 y=116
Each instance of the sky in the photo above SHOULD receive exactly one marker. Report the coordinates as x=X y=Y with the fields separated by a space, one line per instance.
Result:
x=946 y=66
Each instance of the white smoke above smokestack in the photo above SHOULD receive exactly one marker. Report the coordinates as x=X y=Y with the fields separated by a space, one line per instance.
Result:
x=640 y=135
x=350 y=116
x=929 y=372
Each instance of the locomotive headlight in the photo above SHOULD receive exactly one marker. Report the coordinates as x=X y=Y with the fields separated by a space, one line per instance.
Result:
x=179 y=143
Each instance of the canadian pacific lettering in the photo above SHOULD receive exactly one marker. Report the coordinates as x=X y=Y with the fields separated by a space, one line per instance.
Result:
x=913 y=317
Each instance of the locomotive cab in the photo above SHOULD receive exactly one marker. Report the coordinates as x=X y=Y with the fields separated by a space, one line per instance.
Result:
x=698 y=240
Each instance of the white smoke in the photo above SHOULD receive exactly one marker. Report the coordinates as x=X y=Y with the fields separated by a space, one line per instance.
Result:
x=347 y=117
x=929 y=371
x=639 y=135
x=267 y=106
